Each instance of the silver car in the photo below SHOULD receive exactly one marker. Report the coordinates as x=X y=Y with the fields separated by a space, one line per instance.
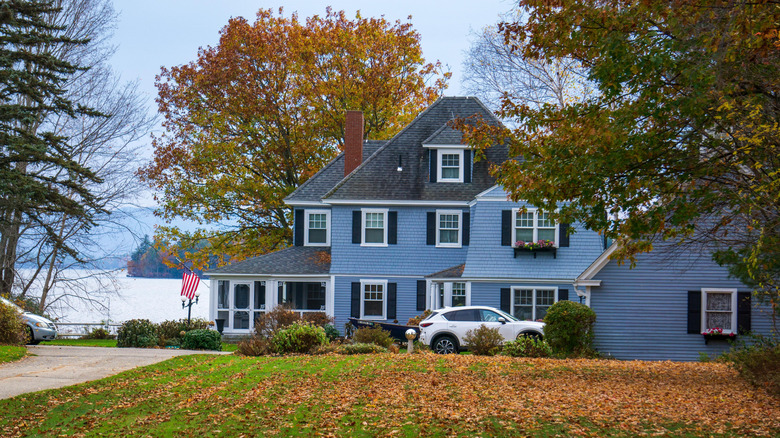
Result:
x=38 y=328
x=444 y=329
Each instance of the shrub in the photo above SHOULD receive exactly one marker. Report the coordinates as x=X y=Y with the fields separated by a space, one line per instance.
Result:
x=137 y=333
x=360 y=348
x=757 y=361
x=281 y=317
x=300 y=337
x=331 y=332
x=13 y=330
x=373 y=335
x=415 y=320
x=255 y=346
x=202 y=339
x=318 y=318
x=484 y=341
x=98 y=333
x=527 y=346
x=170 y=331
x=569 y=329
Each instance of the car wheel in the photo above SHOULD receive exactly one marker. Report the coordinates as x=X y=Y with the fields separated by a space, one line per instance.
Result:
x=29 y=338
x=533 y=335
x=445 y=345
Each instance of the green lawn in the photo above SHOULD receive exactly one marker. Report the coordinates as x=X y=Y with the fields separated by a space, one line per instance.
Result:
x=400 y=395
x=82 y=342
x=109 y=343
x=11 y=353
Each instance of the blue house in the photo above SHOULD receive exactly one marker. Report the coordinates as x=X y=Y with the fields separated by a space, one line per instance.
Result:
x=391 y=228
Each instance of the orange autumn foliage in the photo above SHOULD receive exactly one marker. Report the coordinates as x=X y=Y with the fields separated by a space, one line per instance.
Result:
x=256 y=116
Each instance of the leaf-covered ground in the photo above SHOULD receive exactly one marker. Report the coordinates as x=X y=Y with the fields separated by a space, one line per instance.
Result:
x=11 y=353
x=400 y=395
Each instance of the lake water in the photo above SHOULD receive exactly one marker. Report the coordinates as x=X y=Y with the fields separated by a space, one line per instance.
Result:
x=154 y=299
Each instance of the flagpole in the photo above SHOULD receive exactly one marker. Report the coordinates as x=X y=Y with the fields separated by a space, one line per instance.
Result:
x=183 y=297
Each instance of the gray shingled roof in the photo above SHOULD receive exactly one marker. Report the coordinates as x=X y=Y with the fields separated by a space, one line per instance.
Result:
x=296 y=260
x=321 y=182
x=453 y=272
x=445 y=135
x=377 y=178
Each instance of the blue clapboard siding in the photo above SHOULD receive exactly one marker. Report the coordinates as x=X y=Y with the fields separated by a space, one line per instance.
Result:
x=487 y=258
x=489 y=294
x=406 y=306
x=410 y=256
x=642 y=313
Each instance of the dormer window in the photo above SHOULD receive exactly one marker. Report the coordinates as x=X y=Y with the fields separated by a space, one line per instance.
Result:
x=451 y=165
x=533 y=226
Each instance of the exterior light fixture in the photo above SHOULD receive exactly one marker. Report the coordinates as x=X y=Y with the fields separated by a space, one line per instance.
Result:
x=400 y=167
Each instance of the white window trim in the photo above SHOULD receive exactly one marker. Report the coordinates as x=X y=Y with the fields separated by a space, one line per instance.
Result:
x=535 y=212
x=363 y=284
x=533 y=298
x=459 y=244
x=733 y=293
x=448 y=294
x=306 y=227
x=439 y=155
x=363 y=211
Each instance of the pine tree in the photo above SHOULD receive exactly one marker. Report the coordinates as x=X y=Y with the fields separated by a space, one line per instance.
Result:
x=38 y=175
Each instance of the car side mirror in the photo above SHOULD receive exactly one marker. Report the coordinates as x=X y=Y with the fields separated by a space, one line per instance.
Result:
x=502 y=320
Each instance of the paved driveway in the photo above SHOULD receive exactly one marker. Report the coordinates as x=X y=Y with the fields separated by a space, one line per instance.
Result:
x=56 y=366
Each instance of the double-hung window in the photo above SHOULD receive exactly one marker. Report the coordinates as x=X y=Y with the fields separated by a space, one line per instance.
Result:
x=534 y=225
x=373 y=302
x=374 y=227
x=452 y=295
x=448 y=224
x=317 y=227
x=450 y=165
x=719 y=309
x=531 y=304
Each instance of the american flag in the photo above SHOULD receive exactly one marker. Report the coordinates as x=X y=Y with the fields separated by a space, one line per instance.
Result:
x=189 y=284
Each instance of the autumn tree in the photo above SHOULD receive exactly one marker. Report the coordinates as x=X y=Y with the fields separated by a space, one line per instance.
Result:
x=33 y=77
x=257 y=115
x=680 y=142
x=495 y=68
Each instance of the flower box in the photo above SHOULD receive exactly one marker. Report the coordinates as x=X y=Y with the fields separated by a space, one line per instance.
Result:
x=523 y=249
x=716 y=334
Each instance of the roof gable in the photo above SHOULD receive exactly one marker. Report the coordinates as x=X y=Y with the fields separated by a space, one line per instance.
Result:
x=377 y=178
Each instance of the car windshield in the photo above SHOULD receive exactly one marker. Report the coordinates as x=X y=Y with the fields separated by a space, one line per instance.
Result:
x=431 y=315
x=507 y=316
x=9 y=303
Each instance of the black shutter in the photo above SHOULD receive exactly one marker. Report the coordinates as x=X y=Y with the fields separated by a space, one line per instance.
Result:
x=355 y=300
x=392 y=299
x=431 y=235
x=298 y=227
x=421 y=289
x=506 y=227
x=563 y=294
x=743 y=312
x=466 y=228
x=357 y=219
x=280 y=290
x=392 y=227
x=467 y=166
x=563 y=235
x=432 y=158
x=506 y=295
x=694 y=312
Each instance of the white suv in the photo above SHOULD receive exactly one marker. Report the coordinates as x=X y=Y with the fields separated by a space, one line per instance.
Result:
x=444 y=329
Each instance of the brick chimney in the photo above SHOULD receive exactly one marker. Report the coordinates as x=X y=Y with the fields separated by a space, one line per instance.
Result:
x=353 y=141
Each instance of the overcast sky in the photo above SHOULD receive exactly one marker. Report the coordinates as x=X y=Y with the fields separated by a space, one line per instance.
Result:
x=159 y=33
